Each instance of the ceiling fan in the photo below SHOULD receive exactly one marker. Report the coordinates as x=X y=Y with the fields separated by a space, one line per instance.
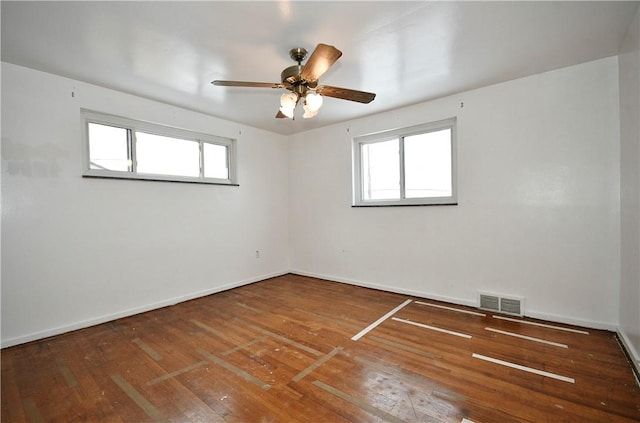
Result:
x=302 y=82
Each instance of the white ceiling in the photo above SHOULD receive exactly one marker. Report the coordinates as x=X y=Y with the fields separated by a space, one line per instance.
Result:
x=406 y=52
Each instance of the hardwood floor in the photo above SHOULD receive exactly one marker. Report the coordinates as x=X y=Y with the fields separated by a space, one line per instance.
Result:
x=283 y=350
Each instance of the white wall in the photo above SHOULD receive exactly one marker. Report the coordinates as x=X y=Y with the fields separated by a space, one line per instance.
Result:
x=538 y=212
x=629 y=64
x=80 y=251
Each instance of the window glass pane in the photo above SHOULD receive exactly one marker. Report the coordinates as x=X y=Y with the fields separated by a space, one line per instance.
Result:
x=216 y=163
x=381 y=170
x=427 y=161
x=166 y=155
x=108 y=148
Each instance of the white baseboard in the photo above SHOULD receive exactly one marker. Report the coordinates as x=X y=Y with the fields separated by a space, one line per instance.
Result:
x=591 y=324
x=421 y=294
x=471 y=303
x=634 y=354
x=130 y=312
x=388 y=288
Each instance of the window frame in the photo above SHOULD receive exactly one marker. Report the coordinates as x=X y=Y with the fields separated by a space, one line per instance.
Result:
x=400 y=134
x=133 y=126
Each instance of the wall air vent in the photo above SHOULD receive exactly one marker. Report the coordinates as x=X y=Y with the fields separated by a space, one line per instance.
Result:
x=490 y=302
x=501 y=304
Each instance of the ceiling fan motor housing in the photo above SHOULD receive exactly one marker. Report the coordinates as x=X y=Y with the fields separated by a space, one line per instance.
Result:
x=291 y=78
x=298 y=54
x=291 y=74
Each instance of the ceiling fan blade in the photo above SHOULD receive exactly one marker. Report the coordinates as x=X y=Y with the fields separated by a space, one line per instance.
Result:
x=346 y=94
x=321 y=59
x=280 y=115
x=221 y=83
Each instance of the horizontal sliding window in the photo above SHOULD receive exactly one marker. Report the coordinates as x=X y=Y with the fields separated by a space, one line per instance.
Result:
x=109 y=146
x=409 y=166
x=118 y=147
x=160 y=155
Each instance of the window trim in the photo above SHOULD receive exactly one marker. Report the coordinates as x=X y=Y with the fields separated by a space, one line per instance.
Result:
x=400 y=133
x=89 y=116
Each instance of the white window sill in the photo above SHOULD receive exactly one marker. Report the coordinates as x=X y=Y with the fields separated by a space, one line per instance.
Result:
x=157 y=178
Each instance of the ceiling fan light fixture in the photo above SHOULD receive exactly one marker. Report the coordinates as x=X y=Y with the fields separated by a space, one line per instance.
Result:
x=308 y=113
x=287 y=111
x=288 y=100
x=313 y=100
x=288 y=103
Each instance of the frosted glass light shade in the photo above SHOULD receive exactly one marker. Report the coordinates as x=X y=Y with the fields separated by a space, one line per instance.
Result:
x=287 y=111
x=308 y=113
x=288 y=104
x=288 y=100
x=313 y=100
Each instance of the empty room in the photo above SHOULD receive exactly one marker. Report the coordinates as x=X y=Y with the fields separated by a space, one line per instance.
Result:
x=331 y=211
